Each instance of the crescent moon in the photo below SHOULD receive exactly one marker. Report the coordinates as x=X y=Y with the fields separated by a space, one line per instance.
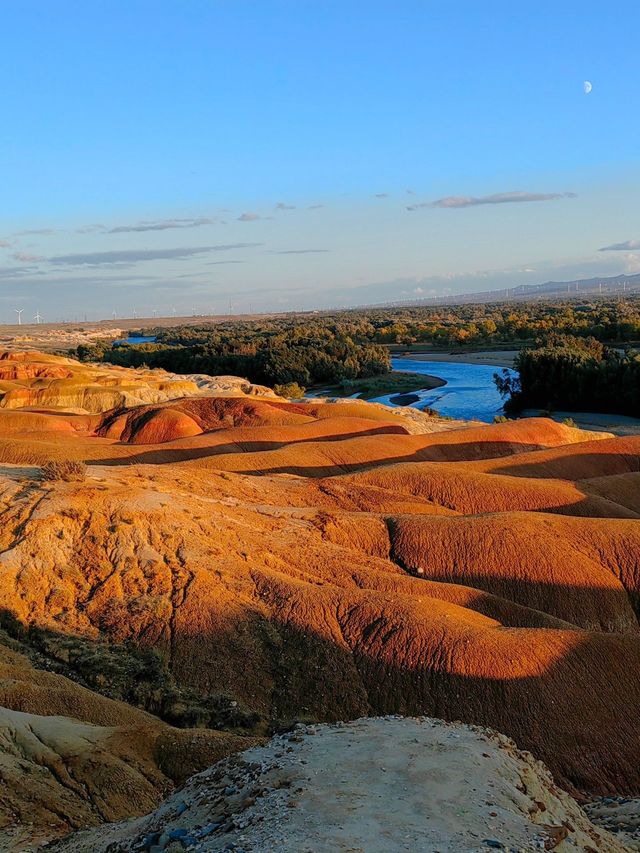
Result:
x=587 y=87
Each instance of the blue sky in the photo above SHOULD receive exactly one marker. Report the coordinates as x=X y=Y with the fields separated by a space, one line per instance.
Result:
x=267 y=153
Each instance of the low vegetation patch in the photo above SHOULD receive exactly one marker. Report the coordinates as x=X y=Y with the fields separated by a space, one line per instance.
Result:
x=69 y=470
x=290 y=390
x=387 y=383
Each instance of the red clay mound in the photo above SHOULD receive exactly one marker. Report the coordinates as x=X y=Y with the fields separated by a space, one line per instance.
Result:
x=193 y=416
x=623 y=489
x=543 y=562
x=10 y=370
x=290 y=611
x=159 y=426
x=21 y=422
x=376 y=447
x=214 y=412
x=262 y=579
x=577 y=462
x=470 y=491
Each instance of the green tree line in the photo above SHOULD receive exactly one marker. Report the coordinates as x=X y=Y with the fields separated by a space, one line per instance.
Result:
x=564 y=372
x=267 y=353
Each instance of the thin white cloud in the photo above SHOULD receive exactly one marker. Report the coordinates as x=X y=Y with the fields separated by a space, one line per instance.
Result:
x=135 y=256
x=627 y=246
x=91 y=229
x=161 y=225
x=281 y=205
x=459 y=201
x=36 y=231
x=302 y=251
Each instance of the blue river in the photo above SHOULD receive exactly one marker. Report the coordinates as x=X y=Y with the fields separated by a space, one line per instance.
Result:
x=470 y=392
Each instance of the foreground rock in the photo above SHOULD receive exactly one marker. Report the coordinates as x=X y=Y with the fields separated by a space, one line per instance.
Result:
x=70 y=758
x=376 y=785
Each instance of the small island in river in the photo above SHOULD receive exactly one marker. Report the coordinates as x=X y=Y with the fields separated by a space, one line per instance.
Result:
x=399 y=382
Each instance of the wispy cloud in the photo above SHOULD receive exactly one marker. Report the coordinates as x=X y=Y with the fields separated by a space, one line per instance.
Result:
x=315 y=206
x=43 y=232
x=301 y=251
x=91 y=229
x=627 y=246
x=161 y=225
x=458 y=201
x=252 y=217
x=220 y=263
x=133 y=256
x=5 y=244
x=225 y=247
x=282 y=206
x=15 y=272
x=26 y=258
x=381 y=195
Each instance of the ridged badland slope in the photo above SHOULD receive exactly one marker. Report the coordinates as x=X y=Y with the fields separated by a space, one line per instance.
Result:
x=328 y=561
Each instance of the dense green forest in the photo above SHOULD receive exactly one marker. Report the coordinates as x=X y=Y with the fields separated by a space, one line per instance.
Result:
x=479 y=325
x=270 y=352
x=337 y=348
x=564 y=372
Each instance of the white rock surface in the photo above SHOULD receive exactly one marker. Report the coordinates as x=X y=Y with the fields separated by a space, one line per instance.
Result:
x=379 y=785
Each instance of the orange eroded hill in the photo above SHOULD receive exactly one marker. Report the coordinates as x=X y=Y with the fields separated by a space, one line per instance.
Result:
x=329 y=561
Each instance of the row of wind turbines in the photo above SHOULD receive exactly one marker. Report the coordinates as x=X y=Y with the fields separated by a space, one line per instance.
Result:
x=37 y=316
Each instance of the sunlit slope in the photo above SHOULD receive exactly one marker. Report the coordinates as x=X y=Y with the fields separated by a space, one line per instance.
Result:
x=329 y=561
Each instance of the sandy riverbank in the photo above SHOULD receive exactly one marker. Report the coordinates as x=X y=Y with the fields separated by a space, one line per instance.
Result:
x=497 y=359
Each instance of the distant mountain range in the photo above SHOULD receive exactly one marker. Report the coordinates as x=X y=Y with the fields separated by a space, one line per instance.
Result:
x=604 y=286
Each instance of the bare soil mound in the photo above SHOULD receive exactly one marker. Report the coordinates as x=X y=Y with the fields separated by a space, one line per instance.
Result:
x=320 y=561
x=379 y=785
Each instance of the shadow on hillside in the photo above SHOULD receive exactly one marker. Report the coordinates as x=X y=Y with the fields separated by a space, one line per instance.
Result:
x=161 y=455
x=608 y=609
x=569 y=697
x=433 y=452
x=574 y=466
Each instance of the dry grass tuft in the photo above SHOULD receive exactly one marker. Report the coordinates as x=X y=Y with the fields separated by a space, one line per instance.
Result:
x=64 y=469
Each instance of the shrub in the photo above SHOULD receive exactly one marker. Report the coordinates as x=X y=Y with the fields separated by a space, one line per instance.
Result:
x=569 y=422
x=500 y=419
x=290 y=390
x=64 y=469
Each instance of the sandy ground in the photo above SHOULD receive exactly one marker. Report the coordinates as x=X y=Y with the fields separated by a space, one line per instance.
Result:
x=499 y=359
x=378 y=785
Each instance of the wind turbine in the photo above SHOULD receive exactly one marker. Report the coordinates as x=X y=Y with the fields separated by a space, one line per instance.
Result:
x=38 y=318
x=19 y=313
x=114 y=314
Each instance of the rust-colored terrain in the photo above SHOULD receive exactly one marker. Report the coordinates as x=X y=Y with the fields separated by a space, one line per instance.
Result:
x=233 y=562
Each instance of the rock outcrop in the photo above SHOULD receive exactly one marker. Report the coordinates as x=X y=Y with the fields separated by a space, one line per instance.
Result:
x=380 y=785
x=71 y=758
